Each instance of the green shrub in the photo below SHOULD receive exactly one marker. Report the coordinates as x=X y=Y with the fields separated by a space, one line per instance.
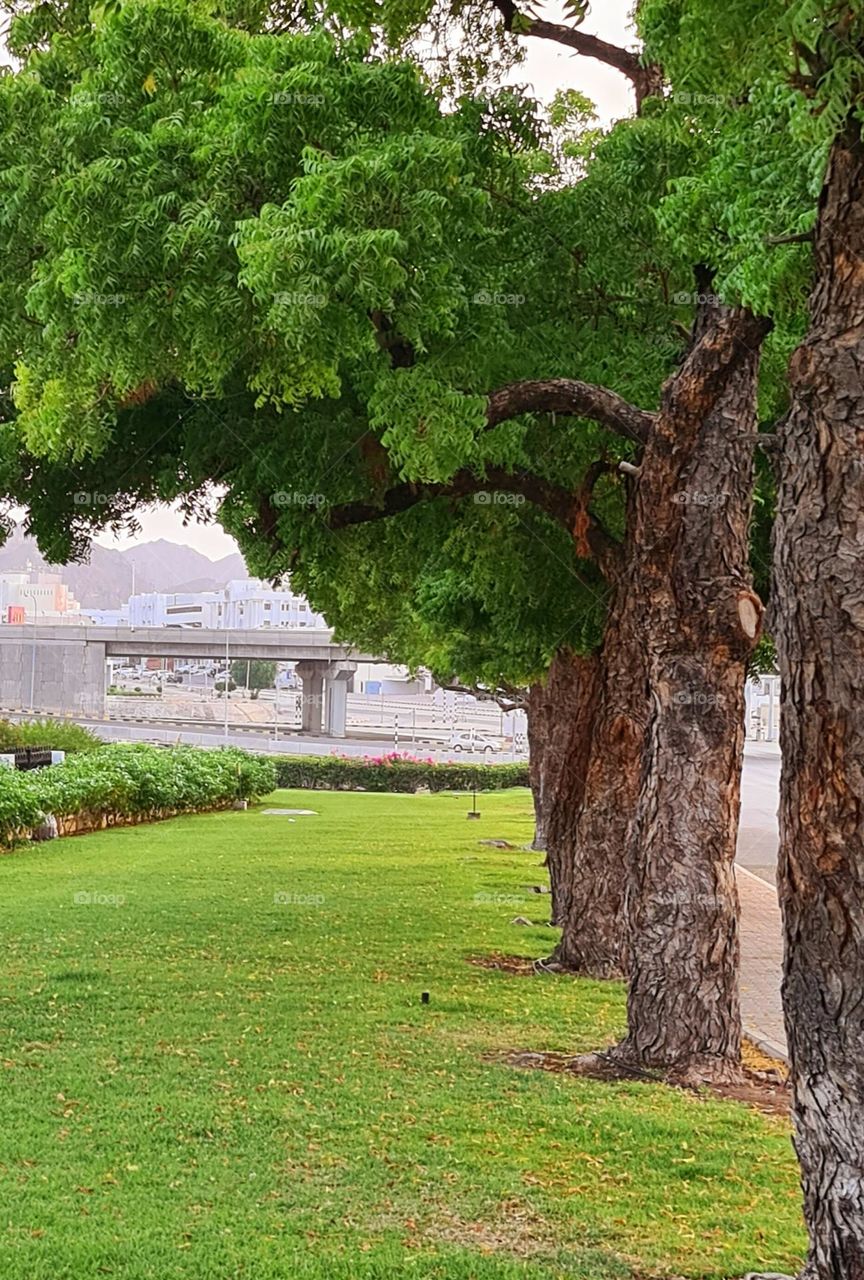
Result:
x=125 y=781
x=394 y=773
x=57 y=735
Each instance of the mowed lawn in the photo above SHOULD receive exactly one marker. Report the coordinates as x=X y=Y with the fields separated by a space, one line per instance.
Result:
x=217 y=1065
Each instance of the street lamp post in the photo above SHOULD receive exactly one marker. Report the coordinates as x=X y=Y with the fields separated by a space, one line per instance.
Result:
x=29 y=595
x=226 y=678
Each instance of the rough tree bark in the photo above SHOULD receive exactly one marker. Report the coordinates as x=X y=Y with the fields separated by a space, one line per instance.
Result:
x=594 y=931
x=819 y=627
x=700 y=620
x=561 y=713
x=660 y=812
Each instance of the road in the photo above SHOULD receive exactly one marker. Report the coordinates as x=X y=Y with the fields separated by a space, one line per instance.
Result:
x=757 y=833
x=210 y=734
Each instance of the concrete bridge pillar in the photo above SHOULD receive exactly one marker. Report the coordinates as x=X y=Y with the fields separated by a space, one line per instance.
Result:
x=311 y=672
x=324 y=684
x=339 y=677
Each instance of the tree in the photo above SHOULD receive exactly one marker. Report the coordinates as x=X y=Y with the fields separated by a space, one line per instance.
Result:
x=819 y=565
x=261 y=506
x=802 y=106
x=408 y=295
x=253 y=674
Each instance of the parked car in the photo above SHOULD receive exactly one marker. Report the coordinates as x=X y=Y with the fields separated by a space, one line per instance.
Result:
x=467 y=740
x=174 y=677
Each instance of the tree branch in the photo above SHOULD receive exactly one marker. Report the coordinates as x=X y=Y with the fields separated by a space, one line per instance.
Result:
x=692 y=392
x=554 y=499
x=569 y=396
x=647 y=80
x=562 y=505
x=508 y=697
x=794 y=237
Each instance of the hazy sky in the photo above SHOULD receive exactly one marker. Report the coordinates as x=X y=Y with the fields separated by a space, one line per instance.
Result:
x=547 y=68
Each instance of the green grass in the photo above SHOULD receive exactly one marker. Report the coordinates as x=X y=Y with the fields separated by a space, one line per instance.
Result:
x=207 y=1083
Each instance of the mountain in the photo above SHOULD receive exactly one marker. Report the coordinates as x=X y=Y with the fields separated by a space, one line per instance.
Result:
x=105 y=581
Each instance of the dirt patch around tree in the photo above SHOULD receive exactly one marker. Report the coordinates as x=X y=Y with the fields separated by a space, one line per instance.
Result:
x=764 y=1082
x=518 y=966
x=766 y=1090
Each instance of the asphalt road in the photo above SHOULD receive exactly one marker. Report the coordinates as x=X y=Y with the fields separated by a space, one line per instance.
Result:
x=211 y=734
x=757 y=833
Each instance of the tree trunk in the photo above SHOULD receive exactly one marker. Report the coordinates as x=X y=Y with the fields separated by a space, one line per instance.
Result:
x=594 y=933
x=538 y=738
x=701 y=620
x=819 y=574
x=561 y=714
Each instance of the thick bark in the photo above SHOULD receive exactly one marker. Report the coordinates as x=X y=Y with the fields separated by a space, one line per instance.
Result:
x=594 y=932
x=700 y=621
x=819 y=574
x=561 y=714
x=675 y=630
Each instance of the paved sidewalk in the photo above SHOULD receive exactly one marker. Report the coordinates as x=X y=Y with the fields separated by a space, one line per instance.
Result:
x=761 y=963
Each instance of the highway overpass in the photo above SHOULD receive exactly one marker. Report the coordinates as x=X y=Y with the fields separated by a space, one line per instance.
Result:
x=62 y=670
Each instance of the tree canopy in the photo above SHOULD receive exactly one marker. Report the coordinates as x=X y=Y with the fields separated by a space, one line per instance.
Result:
x=280 y=264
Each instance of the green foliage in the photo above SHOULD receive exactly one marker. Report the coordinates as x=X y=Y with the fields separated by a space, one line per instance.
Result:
x=388 y=263
x=253 y=674
x=129 y=782
x=394 y=773
x=389 y=257
x=763 y=660
x=56 y=735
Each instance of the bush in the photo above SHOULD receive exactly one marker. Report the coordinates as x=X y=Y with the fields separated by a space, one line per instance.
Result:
x=122 y=782
x=394 y=773
x=57 y=735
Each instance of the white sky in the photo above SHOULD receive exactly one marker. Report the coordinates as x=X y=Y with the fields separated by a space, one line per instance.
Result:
x=547 y=68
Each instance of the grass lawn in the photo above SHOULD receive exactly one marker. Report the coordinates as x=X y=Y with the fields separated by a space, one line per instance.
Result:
x=229 y=1073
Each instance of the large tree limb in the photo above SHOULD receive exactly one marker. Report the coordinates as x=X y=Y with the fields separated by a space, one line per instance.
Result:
x=569 y=396
x=647 y=80
x=554 y=499
x=561 y=504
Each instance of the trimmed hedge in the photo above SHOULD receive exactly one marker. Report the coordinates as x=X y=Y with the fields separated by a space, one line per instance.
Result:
x=57 y=735
x=122 y=783
x=393 y=773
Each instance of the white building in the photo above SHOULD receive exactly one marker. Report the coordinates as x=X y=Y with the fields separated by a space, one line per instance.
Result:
x=33 y=595
x=246 y=604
